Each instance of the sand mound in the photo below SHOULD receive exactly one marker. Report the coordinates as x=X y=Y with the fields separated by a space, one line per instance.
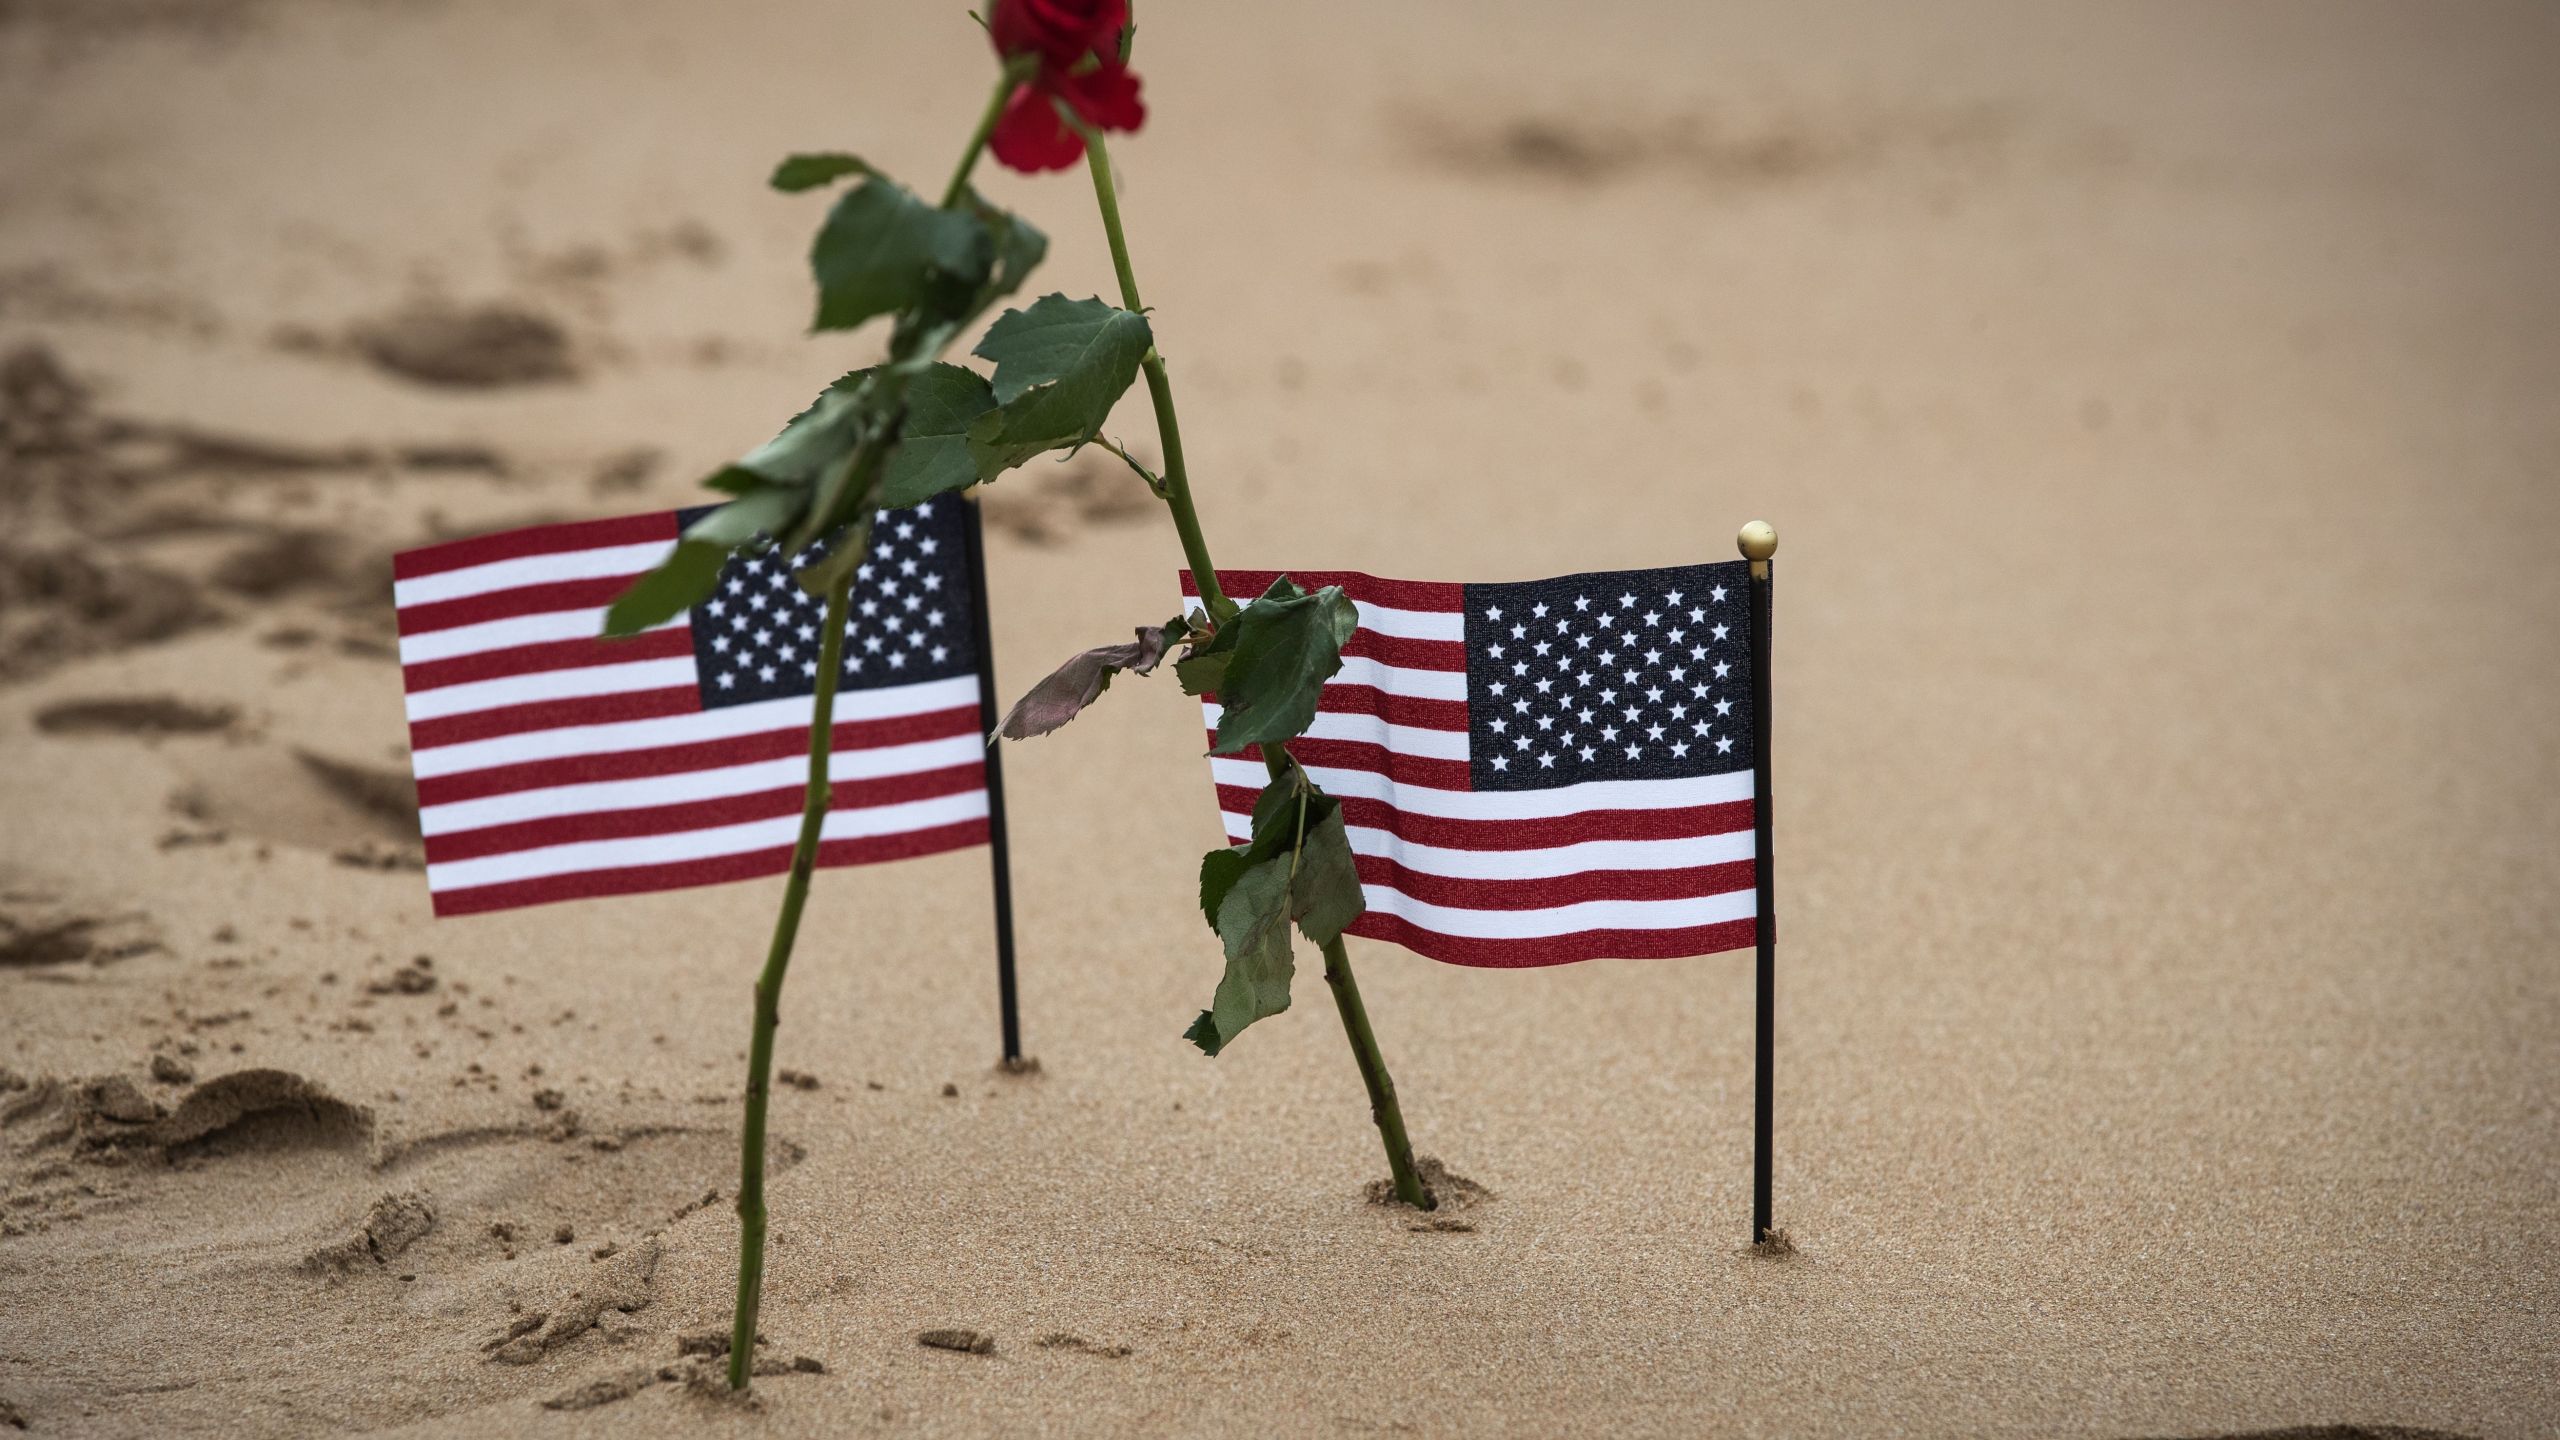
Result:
x=389 y=1226
x=1452 y=1190
x=620 y=1284
x=260 y=1108
x=701 y=1366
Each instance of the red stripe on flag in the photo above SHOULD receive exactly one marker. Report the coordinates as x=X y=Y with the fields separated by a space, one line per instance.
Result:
x=699 y=755
x=1376 y=759
x=685 y=874
x=1406 y=653
x=507 y=604
x=698 y=814
x=534 y=540
x=1547 y=892
x=553 y=715
x=1674 y=824
x=548 y=655
x=1244 y=585
x=1525 y=954
x=1344 y=699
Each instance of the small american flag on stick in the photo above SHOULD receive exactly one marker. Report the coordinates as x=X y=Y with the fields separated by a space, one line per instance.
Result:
x=1537 y=772
x=554 y=765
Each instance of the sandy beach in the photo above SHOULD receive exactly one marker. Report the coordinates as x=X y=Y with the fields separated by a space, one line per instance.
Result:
x=2155 y=402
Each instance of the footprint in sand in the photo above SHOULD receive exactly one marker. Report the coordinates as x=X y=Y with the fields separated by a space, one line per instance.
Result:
x=1729 y=148
x=143 y=715
x=365 y=815
x=39 y=931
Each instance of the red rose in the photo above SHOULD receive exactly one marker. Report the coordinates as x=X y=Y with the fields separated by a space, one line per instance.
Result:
x=1078 y=42
x=1063 y=31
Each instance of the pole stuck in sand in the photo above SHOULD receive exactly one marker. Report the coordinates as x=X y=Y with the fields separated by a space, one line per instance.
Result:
x=1758 y=541
x=999 y=850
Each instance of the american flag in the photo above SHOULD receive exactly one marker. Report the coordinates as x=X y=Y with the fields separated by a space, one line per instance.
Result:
x=553 y=764
x=1538 y=772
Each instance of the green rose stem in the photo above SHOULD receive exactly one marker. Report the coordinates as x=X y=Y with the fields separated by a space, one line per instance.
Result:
x=786 y=928
x=1195 y=549
x=804 y=854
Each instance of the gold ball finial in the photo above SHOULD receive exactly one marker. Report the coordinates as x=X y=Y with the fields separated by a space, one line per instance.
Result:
x=1758 y=540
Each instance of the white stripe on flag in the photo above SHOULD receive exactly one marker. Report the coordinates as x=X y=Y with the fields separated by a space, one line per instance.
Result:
x=509 y=633
x=1383 y=619
x=1370 y=730
x=777 y=832
x=475 y=695
x=1397 y=680
x=618 y=736
x=786 y=773
x=1563 y=919
x=549 y=568
x=1677 y=794
x=1553 y=862
x=1411 y=624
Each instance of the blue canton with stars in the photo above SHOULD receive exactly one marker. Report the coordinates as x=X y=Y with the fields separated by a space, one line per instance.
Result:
x=756 y=637
x=1622 y=675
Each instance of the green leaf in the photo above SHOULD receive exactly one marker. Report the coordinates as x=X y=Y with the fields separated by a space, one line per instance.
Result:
x=1253 y=921
x=1286 y=645
x=1019 y=249
x=1205 y=663
x=849 y=474
x=922 y=333
x=1326 y=897
x=677 y=585
x=883 y=250
x=1056 y=339
x=1275 y=811
x=687 y=574
x=1060 y=366
x=817 y=436
x=1219 y=872
x=841 y=561
x=808 y=171
x=933 y=450
x=756 y=515
x=1297 y=866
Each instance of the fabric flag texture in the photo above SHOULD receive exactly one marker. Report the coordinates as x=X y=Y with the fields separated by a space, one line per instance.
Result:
x=1538 y=772
x=553 y=764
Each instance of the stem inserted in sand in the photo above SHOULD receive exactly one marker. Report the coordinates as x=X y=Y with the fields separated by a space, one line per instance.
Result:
x=786 y=928
x=804 y=854
x=1373 y=1073
x=1195 y=550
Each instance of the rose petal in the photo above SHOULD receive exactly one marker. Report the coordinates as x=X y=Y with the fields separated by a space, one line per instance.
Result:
x=1031 y=137
x=1062 y=31
x=1107 y=98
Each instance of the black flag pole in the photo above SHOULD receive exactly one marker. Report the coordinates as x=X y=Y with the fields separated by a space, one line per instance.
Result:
x=999 y=851
x=1758 y=542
